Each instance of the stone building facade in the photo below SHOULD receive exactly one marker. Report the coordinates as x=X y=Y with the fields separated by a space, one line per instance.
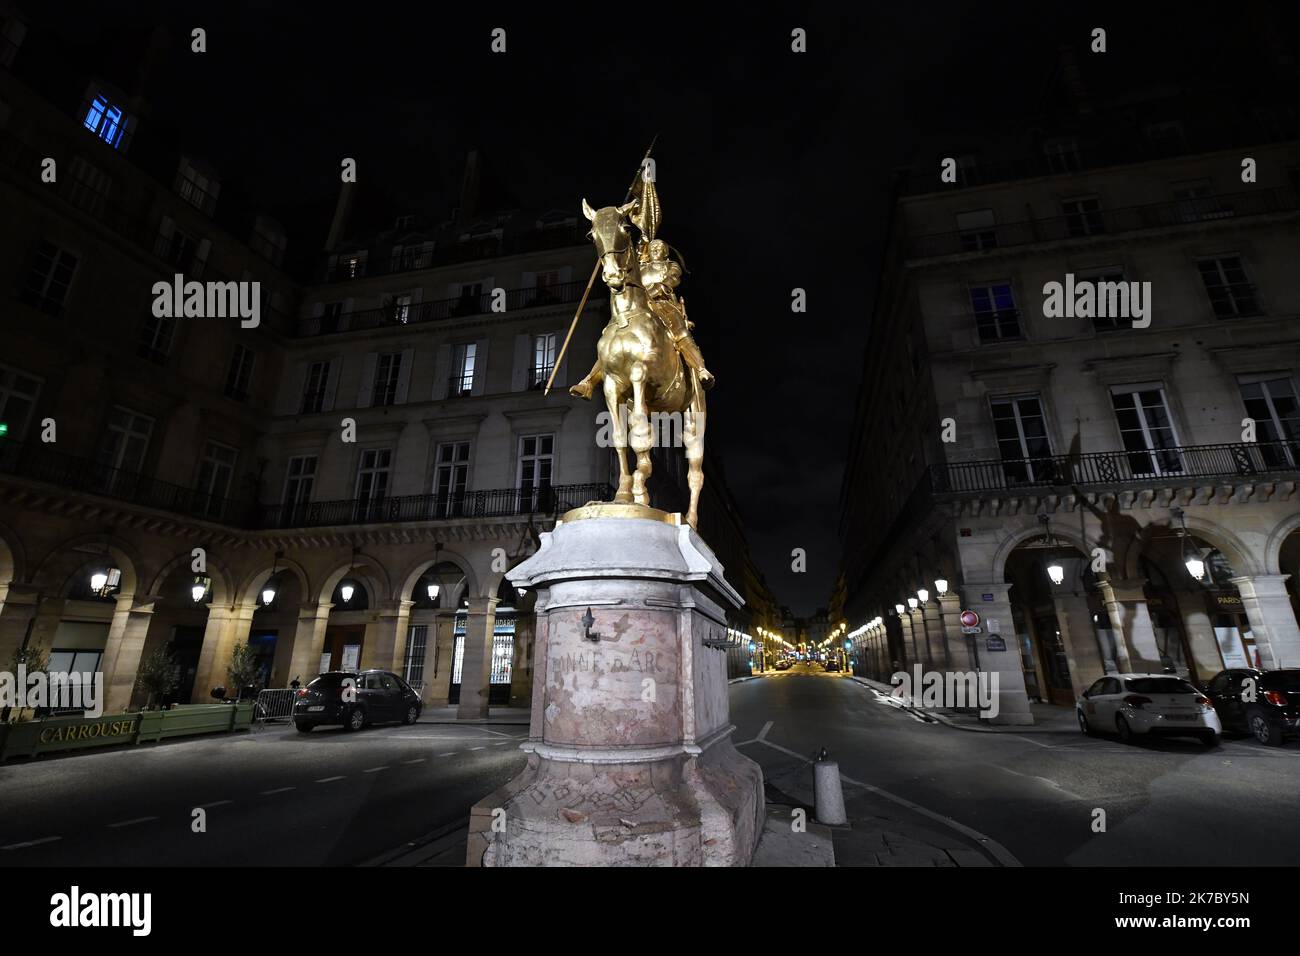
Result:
x=381 y=431
x=1063 y=474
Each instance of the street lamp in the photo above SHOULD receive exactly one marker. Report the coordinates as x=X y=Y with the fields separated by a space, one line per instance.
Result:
x=98 y=580
x=924 y=595
x=898 y=608
x=432 y=589
x=911 y=603
x=1195 y=566
x=941 y=586
x=1054 y=570
x=198 y=589
x=268 y=592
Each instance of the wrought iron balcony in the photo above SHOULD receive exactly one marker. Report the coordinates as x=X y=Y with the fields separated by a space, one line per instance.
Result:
x=495 y=503
x=363 y=264
x=439 y=310
x=1099 y=222
x=36 y=462
x=1244 y=460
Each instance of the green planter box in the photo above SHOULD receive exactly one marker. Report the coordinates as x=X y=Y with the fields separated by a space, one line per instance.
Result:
x=32 y=737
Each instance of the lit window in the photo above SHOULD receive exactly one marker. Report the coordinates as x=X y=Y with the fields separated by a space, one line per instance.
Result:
x=105 y=120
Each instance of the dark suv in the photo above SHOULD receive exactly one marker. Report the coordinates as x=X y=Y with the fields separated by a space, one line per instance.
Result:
x=354 y=700
x=1269 y=707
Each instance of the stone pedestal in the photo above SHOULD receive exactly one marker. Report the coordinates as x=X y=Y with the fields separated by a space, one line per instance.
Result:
x=630 y=760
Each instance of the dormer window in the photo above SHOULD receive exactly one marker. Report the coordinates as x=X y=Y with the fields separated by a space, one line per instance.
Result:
x=404 y=222
x=106 y=120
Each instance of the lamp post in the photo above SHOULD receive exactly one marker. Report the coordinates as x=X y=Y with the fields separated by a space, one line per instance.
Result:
x=1193 y=562
x=940 y=592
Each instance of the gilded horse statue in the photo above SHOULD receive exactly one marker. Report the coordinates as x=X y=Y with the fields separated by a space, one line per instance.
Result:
x=646 y=366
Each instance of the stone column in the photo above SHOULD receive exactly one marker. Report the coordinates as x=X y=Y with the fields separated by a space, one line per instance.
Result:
x=1267 y=604
x=1122 y=621
x=476 y=664
x=1199 y=628
x=227 y=626
x=122 y=651
x=911 y=647
x=385 y=646
x=934 y=636
x=959 y=655
x=439 y=659
x=1074 y=618
x=521 y=667
x=1013 y=701
x=1130 y=612
x=309 y=641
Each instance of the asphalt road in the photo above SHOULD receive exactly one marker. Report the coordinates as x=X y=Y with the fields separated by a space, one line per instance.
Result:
x=1169 y=802
x=271 y=797
x=275 y=797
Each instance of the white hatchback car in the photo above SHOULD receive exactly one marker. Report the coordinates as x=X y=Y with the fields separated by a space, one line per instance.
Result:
x=1141 y=705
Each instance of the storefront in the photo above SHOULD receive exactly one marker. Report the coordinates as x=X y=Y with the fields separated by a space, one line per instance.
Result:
x=503 y=654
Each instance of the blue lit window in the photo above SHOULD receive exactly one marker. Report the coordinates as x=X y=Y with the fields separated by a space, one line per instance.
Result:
x=105 y=121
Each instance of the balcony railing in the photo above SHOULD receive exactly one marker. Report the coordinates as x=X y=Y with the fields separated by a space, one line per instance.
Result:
x=1093 y=223
x=39 y=463
x=496 y=503
x=371 y=262
x=1244 y=460
x=439 y=310
x=36 y=462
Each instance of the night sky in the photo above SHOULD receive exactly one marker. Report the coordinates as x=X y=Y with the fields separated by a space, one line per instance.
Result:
x=773 y=167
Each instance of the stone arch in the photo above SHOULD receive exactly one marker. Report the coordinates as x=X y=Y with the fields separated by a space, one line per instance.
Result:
x=1016 y=538
x=441 y=556
x=365 y=568
x=220 y=575
x=122 y=553
x=13 y=561
x=1276 y=538
x=250 y=591
x=1238 y=555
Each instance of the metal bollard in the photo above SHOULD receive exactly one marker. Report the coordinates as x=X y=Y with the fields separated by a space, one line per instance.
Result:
x=828 y=795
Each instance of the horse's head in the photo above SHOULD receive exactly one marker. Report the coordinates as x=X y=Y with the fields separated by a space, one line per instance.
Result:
x=613 y=243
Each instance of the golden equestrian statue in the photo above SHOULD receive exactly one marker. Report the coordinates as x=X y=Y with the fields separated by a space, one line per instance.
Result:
x=646 y=360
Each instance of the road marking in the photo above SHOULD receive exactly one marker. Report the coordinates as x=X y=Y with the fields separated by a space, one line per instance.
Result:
x=478 y=748
x=416 y=760
x=449 y=753
x=215 y=803
x=131 y=823
x=268 y=793
x=329 y=779
x=1045 y=780
x=439 y=737
x=994 y=848
x=501 y=743
x=374 y=770
x=20 y=846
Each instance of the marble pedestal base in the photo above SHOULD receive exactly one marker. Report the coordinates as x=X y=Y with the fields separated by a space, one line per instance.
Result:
x=630 y=760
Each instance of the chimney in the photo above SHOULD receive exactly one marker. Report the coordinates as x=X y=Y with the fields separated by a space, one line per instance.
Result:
x=342 y=215
x=469 y=189
x=1072 y=79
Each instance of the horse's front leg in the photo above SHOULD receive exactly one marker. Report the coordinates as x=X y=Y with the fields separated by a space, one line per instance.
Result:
x=618 y=432
x=639 y=435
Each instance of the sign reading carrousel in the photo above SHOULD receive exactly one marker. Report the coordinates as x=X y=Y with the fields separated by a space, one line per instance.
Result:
x=970 y=622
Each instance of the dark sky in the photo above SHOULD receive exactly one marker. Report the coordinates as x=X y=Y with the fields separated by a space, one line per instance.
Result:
x=773 y=167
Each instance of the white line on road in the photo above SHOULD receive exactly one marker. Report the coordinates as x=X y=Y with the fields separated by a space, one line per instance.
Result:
x=268 y=793
x=996 y=849
x=329 y=779
x=374 y=770
x=416 y=760
x=478 y=748
x=1044 y=780
x=449 y=753
x=131 y=823
x=20 y=846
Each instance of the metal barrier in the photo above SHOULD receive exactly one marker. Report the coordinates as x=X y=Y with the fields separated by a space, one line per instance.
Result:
x=274 y=704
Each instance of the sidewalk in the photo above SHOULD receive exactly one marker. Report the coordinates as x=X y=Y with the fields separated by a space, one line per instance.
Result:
x=511 y=716
x=1048 y=718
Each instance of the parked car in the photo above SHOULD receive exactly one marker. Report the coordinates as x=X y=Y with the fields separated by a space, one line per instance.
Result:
x=832 y=664
x=377 y=697
x=1141 y=705
x=782 y=664
x=1268 y=708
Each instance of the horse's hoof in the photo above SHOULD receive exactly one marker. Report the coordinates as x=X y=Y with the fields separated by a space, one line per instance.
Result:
x=580 y=390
